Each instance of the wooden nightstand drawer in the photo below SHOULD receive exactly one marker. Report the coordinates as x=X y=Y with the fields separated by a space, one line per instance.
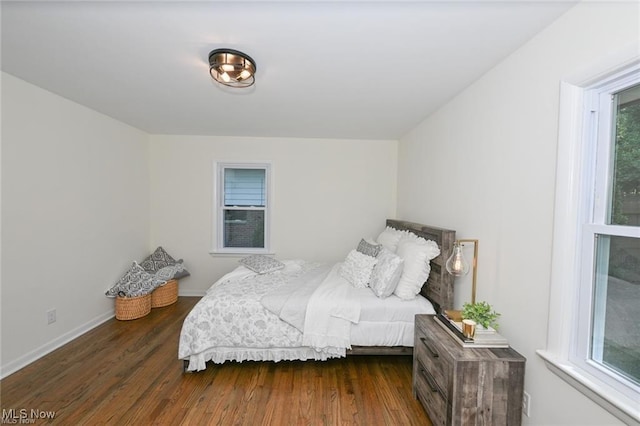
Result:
x=431 y=396
x=435 y=360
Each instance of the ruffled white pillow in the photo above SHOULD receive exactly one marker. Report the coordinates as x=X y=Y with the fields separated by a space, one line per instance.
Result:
x=416 y=253
x=357 y=268
x=386 y=274
x=390 y=238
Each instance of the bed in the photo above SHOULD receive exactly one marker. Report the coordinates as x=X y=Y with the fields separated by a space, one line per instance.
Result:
x=306 y=310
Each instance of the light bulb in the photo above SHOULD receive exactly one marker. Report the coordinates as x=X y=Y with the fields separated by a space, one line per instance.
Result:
x=457 y=265
x=225 y=77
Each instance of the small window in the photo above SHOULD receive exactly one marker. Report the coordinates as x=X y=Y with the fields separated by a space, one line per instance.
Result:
x=242 y=208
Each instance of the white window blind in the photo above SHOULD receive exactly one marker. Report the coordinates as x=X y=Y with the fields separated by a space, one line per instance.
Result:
x=242 y=208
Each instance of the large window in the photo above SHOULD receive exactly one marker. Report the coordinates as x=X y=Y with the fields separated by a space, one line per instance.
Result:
x=610 y=262
x=594 y=337
x=242 y=208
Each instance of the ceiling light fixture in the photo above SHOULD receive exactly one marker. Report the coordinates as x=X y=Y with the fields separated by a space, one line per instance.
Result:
x=232 y=68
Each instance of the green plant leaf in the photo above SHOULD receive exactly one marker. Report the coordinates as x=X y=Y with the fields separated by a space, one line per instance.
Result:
x=482 y=313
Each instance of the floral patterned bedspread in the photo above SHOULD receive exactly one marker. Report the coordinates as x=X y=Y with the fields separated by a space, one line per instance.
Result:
x=230 y=323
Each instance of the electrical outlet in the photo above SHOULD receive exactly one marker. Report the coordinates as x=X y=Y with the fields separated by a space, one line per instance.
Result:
x=526 y=404
x=51 y=316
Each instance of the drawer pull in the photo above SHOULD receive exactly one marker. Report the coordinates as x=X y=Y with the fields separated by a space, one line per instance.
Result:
x=433 y=353
x=429 y=379
x=432 y=383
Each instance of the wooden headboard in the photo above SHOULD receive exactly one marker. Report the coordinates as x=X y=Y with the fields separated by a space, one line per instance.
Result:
x=439 y=286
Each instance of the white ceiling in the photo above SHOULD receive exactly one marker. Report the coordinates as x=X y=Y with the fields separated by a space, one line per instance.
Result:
x=350 y=69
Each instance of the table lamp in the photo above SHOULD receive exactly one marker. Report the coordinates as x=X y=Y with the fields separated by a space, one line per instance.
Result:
x=458 y=266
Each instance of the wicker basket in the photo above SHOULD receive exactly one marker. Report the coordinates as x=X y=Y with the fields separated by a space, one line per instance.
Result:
x=129 y=308
x=165 y=295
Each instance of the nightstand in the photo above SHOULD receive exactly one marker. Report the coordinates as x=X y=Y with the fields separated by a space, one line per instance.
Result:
x=465 y=386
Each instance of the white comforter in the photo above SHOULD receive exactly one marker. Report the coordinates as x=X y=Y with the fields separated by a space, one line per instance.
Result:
x=322 y=305
x=314 y=309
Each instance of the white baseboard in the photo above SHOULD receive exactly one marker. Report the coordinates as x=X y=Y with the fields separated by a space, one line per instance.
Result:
x=23 y=361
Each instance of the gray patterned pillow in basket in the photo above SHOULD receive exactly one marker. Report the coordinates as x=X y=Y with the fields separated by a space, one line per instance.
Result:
x=170 y=272
x=161 y=259
x=135 y=282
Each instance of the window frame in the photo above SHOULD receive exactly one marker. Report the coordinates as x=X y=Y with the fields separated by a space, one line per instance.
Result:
x=600 y=125
x=219 y=208
x=578 y=216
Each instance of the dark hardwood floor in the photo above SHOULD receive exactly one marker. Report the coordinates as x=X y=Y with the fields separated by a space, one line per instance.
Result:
x=127 y=373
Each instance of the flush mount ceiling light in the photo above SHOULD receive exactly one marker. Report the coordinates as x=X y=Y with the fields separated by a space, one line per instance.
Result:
x=232 y=68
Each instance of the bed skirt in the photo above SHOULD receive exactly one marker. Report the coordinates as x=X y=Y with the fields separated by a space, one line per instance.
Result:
x=220 y=355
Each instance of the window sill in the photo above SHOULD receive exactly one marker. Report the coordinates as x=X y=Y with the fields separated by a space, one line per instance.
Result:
x=624 y=408
x=239 y=254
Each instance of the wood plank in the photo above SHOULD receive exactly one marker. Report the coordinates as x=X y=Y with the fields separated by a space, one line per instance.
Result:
x=127 y=372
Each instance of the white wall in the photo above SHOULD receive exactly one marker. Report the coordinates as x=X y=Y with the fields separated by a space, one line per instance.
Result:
x=499 y=138
x=75 y=209
x=77 y=195
x=327 y=194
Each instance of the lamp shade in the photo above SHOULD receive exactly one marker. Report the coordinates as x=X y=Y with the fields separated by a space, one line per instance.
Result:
x=457 y=265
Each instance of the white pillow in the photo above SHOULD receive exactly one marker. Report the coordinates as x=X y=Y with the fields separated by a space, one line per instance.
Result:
x=357 y=268
x=386 y=273
x=416 y=254
x=390 y=238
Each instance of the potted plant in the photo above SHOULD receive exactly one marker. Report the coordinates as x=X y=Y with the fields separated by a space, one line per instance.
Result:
x=482 y=313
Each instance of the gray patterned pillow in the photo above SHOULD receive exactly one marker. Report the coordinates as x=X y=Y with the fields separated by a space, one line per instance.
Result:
x=161 y=259
x=365 y=247
x=135 y=282
x=170 y=272
x=262 y=264
x=157 y=260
